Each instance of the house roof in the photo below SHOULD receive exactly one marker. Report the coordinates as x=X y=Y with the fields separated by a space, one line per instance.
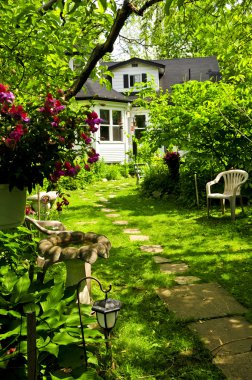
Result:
x=93 y=90
x=113 y=65
x=180 y=70
x=171 y=71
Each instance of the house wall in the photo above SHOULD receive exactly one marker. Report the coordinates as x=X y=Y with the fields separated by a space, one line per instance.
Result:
x=117 y=80
x=114 y=151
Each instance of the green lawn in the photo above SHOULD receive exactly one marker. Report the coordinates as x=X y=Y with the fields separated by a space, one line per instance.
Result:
x=148 y=342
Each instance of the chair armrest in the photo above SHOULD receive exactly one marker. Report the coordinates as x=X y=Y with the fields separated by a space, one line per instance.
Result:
x=209 y=184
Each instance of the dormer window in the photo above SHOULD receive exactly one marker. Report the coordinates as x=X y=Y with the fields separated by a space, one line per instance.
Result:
x=131 y=80
x=134 y=65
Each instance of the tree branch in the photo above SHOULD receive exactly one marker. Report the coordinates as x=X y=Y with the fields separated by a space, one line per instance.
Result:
x=107 y=47
x=44 y=8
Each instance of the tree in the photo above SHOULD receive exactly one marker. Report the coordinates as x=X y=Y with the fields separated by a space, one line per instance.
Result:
x=212 y=121
x=202 y=28
x=38 y=38
x=37 y=41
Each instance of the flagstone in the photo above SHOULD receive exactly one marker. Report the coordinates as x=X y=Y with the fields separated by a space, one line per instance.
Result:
x=112 y=196
x=161 y=260
x=107 y=210
x=235 y=367
x=112 y=215
x=215 y=332
x=183 y=280
x=88 y=222
x=152 y=248
x=132 y=231
x=103 y=199
x=171 y=268
x=120 y=222
x=200 y=301
x=139 y=237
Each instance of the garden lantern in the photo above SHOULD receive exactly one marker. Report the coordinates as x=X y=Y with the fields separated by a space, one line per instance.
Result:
x=106 y=313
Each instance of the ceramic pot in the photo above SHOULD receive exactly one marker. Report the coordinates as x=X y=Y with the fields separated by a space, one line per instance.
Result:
x=12 y=207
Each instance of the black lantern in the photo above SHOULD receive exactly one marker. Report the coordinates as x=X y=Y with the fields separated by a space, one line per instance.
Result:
x=106 y=313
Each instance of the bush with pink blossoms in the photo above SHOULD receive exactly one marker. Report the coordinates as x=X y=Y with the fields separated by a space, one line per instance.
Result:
x=44 y=142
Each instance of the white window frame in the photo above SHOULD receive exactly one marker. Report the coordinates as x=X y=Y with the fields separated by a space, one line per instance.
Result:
x=111 y=126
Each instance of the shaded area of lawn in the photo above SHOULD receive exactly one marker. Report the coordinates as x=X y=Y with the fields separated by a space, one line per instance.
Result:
x=149 y=342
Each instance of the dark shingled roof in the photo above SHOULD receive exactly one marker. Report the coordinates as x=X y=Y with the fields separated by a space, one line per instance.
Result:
x=93 y=90
x=182 y=69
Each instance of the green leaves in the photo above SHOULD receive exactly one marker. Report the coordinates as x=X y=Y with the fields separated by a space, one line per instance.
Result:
x=20 y=290
x=169 y=3
x=53 y=298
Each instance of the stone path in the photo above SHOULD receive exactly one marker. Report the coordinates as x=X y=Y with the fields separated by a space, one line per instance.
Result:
x=210 y=311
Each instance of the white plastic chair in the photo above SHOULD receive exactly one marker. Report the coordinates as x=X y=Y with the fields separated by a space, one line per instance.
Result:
x=233 y=179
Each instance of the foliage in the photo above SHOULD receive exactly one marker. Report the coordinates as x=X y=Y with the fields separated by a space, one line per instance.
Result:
x=204 y=28
x=38 y=40
x=58 y=336
x=43 y=146
x=210 y=121
x=99 y=171
x=157 y=181
x=65 y=29
x=172 y=160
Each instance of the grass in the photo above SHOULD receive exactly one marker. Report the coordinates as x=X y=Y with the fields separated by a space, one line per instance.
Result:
x=148 y=341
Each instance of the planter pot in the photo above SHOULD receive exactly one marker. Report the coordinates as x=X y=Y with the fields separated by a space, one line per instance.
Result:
x=12 y=207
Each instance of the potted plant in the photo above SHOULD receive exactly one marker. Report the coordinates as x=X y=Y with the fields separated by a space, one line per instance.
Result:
x=51 y=141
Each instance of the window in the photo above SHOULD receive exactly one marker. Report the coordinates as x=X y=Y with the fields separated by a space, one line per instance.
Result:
x=140 y=125
x=111 y=128
x=131 y=80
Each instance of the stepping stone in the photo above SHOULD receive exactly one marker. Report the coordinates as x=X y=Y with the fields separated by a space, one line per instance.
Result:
x=218 y=331
x=107 y=210
x=103 y=199
x=173 y=268
x=120 y=222
x=98 y=194
x=235 y=367
x=138 y=237
x=152 y=248
x=200 y=301
x=131 y=231
x=89 y=222
x=112 y=196
x=112 y=215
x=161 y=260
x=184 y=280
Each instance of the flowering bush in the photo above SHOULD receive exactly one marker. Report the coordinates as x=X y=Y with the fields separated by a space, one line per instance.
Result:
x=172 y=159
x=53 y=141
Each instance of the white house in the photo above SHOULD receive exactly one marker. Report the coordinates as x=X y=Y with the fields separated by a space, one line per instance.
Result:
x=120 y=120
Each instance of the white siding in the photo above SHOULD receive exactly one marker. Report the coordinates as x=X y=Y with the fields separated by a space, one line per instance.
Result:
x=112 y=152
x=117 y=80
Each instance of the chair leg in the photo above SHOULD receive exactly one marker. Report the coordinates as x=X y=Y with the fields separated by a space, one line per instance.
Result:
x=208 y=206
x=232 y=207
x=222 y=201
x=241 y=202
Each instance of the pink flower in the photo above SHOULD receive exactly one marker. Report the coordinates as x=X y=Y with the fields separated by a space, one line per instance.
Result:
x=87 y=139
x=67 y=165
x=18 y=113
x=87 y=167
